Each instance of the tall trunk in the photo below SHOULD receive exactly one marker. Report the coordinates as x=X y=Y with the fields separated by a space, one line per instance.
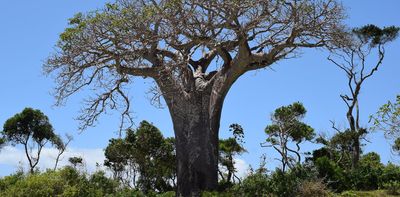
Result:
x=195 y=110
x=196 y=132
x=356 y=146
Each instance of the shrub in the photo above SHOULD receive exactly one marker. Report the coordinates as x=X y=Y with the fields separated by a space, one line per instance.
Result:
x=9 y=181
x=332 y=174
x=104 y=185
x=287 y=183
x=368 y=172
x=390 y=173
x=313 y=188
x=36 y=185
x=392 y=187
x=66 y=182
x=254 y=185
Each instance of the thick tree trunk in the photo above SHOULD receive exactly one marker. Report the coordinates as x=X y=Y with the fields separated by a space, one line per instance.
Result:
x=196 y=132
x=195 y=110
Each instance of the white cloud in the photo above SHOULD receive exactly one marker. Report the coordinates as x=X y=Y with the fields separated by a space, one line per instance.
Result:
x=242 y=168
x=15 y=157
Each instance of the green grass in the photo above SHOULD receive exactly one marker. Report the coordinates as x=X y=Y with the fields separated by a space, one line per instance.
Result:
x=376 y=193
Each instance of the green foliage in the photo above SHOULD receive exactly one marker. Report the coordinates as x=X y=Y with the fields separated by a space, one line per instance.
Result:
x=392 y=187
x=387 y=119
x=155 y=157
x=66 y=182
x=228 y=148
x=75 y=161
x=367 y=174
x=7 y=181
x=29 y=123
x=333 y=175
x=287 y=126
x=375 y=35
x=99 y=182
x=370 y=173
x=287 y=184
x=118 y=153
x=254 y=185
x=32 y=129
x=390 y=173
x=146 y=152
x=289 y=117
x=279 y=183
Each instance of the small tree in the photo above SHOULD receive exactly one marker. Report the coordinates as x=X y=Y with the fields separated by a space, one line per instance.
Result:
x=120 y=159
x=155 y=157
x=287 y=127
x=353 y=60
x=228 y=148
x=144 y=159
x=32 y=129
x=61 y=147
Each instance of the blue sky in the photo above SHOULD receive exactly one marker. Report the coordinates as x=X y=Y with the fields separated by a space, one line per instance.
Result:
x=30 y=29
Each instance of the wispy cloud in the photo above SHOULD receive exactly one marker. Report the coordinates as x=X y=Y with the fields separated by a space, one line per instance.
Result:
x=242 y=167
x=14 y=157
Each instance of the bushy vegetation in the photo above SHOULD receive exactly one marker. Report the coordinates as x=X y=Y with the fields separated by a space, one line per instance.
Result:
x=300 y=181
x=64 y=182
x=142 y=163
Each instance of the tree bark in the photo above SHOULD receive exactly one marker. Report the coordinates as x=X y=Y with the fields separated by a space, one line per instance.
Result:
x=195 y=109
x=196 y=132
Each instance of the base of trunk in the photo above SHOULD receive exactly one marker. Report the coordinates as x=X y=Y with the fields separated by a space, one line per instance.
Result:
x=197 y=159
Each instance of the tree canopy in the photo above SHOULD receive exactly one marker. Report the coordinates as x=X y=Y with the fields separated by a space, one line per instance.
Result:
x=184 y=45
x=286 y=127
x=32 y=129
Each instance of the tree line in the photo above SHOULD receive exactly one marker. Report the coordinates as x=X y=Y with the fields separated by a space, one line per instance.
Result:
x=143 y=161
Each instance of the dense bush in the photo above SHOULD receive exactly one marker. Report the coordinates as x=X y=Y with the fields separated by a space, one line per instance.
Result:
x=369 y=170
x=390 y=173
x=279 y=183
x=392 y=187
x=7 y=181
x=333 y=175
x=65 y=182
x=312 y=178
x=254 y=185
x=369 y=174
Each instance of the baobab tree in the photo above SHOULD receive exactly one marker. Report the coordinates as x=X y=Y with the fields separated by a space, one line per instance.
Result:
x=194 y=50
